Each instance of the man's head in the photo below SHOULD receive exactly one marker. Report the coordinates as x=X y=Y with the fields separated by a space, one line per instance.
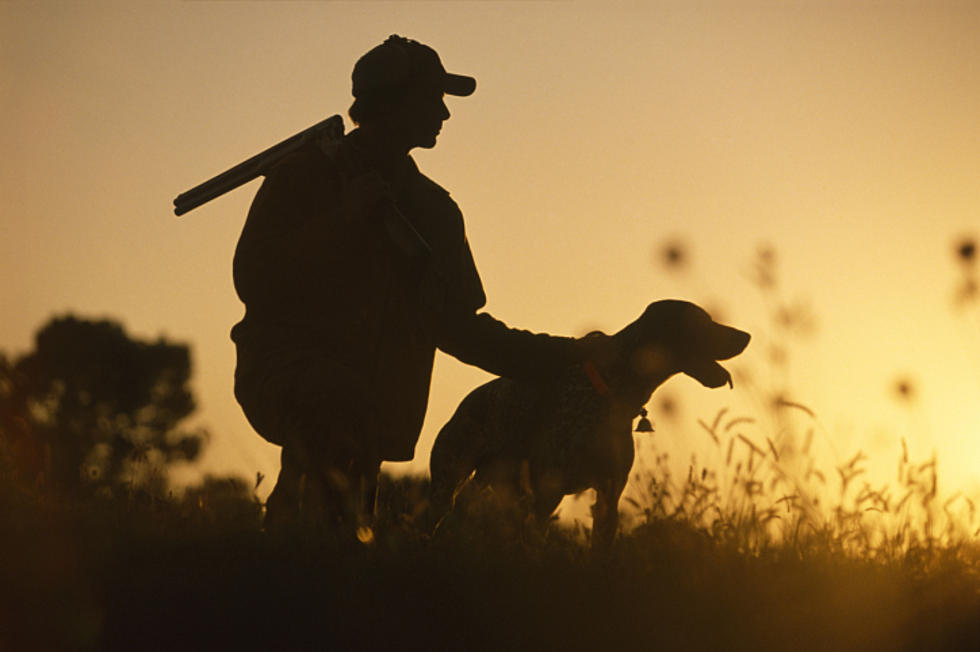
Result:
x=401 y=83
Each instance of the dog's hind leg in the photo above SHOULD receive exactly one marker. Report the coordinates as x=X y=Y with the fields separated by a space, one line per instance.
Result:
x=447 y=475
x=458 y=447
x=452 y=462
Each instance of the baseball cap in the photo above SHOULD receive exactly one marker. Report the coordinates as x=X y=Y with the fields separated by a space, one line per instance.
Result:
x=400 y=63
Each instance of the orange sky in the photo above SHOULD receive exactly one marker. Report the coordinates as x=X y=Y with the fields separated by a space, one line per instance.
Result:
x=843 y=136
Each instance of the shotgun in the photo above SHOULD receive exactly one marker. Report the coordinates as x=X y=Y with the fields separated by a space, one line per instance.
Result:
x=323 y=133
x=399 y=228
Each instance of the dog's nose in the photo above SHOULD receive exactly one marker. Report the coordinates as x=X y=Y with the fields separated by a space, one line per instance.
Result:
x=733 y=343
x=743 y=339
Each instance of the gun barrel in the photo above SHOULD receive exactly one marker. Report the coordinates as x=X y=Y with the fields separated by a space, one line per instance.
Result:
x=331 y=129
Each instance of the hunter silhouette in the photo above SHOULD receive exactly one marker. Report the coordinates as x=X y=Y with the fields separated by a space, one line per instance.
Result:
x=354 y=267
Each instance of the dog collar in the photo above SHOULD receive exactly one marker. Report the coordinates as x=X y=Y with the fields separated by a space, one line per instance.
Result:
x=595 y=378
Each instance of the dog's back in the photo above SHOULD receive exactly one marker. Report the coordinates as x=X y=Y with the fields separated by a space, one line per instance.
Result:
x=557 y=434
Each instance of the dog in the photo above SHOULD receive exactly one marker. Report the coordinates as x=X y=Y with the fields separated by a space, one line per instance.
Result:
x=540 y=441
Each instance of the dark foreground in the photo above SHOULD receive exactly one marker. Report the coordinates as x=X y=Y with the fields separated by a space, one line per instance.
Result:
x=198 y=574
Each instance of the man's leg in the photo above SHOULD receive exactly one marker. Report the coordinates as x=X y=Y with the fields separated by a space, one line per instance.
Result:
x=330 y=485
x=346 y=485
x=368 y=499
x=282 y=508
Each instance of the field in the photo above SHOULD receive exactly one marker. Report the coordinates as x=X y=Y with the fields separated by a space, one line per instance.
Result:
x=699 y=568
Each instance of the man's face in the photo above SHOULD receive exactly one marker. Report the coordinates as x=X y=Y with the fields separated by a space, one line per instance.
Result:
x=424 y=112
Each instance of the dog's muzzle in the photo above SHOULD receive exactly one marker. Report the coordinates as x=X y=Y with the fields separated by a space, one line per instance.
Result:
x=726 y=342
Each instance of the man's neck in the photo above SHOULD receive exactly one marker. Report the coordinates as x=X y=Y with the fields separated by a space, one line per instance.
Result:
x=382 y=145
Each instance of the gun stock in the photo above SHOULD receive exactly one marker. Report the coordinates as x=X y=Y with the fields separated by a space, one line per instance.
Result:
x=326 y=131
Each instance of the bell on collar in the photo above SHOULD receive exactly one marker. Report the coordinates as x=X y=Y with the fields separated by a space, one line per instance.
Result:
x=643 y=425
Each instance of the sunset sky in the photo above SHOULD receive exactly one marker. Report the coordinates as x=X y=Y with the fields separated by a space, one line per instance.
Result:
x=842 y=136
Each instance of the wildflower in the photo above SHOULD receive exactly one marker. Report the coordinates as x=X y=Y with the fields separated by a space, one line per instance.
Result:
x=674 y=255
x=968 y=291
x=764 y=267
x=966 y=251
x=905 y=390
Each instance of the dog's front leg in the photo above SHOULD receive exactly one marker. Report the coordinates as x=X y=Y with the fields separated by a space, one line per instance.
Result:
x=605 y=518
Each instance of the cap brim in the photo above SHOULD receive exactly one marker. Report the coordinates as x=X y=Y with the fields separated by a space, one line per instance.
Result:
x=459 y=85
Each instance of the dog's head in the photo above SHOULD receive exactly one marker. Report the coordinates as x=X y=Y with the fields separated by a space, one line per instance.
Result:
x=678 y=336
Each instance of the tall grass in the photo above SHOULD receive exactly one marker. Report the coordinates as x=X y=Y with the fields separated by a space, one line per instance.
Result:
x=768 y=495
x=742 y=557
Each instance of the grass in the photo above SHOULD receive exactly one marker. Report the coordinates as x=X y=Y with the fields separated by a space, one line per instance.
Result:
x=721 y=559
x=770 y=493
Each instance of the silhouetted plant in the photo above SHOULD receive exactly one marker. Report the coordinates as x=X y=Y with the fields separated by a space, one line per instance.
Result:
x=91 y=407
x=674 y=255
x=905 y=390
x=227 y=502
x=966 y=258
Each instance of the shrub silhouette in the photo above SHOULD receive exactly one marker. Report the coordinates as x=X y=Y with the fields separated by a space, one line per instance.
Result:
x=91 y=407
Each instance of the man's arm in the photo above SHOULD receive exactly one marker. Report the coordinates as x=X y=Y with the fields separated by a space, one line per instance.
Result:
x=481 y=340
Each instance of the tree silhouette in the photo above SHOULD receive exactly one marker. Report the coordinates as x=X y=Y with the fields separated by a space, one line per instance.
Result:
x=91 y=407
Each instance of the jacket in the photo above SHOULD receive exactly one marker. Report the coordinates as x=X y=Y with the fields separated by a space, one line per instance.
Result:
x=337 y=309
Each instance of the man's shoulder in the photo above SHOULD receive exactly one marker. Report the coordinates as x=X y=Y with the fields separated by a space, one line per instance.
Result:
x=437 y=201
x=434 y=187
x=307 y=172
x=424 y=182
x=311 y=159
